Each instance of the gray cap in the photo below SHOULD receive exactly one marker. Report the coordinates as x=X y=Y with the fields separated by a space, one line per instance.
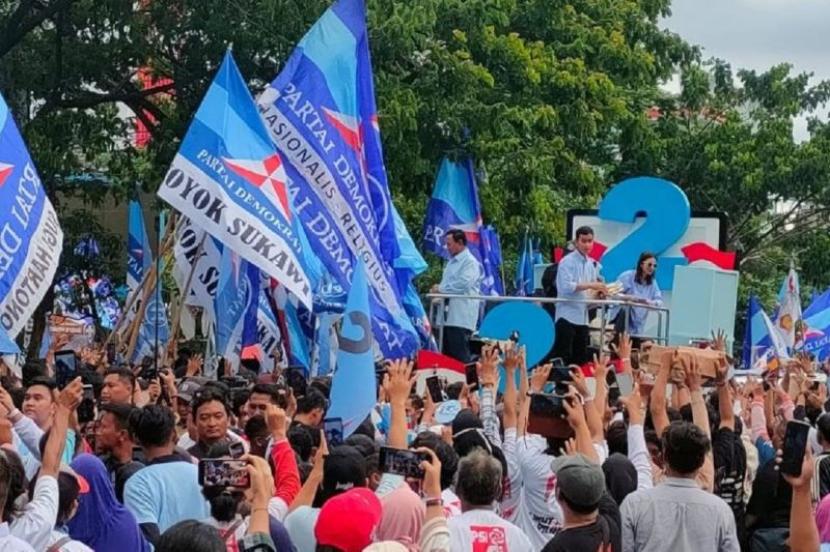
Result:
x=579 y=480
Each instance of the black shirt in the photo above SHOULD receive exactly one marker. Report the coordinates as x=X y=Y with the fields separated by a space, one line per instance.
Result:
x=601 y=536
x=769 y=505
x=729 y=457
x=119 y=472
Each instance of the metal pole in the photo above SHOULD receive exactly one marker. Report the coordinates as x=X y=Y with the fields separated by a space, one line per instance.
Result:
x=157 y=292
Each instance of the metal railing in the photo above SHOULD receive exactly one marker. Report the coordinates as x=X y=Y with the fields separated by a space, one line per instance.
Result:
x=439 y=302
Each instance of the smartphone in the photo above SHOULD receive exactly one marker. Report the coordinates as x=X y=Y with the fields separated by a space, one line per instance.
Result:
x=223 y=472
x=333 y=428
x=66 y=366
x=795 y=444
x=402 y=462
x=625 y=382
x=434 y=388
x=237 y=449
x=110 y=353
x=559 y=372
x=471 y=375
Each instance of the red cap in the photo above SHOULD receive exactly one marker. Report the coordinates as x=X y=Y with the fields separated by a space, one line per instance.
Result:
x=348 y=521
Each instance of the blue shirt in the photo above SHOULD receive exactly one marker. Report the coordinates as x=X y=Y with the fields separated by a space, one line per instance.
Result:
x=649 y=292
x=574 y=269
x=165 y=494
x=462 y=276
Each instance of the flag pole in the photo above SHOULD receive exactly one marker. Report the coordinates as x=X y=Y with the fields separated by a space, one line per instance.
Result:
x=185 y=293
x=150 y=284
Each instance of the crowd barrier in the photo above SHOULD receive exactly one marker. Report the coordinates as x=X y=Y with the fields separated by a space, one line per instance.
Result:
x=600 y=326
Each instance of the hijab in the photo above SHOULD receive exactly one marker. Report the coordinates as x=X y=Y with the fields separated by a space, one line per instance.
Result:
x=620 y=476
x=103 y=523
x=403 y=515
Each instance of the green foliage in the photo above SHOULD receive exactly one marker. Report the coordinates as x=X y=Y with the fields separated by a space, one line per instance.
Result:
x=552 y=99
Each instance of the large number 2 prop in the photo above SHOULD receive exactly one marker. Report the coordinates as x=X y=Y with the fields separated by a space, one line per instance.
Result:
x=667 y=213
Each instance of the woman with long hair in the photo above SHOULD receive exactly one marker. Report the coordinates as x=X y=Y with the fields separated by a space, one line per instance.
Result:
x=639 y=285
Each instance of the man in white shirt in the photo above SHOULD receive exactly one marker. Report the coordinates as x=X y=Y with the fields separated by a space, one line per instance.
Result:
x=576 y=275
x=479 y=527
x=462 y=276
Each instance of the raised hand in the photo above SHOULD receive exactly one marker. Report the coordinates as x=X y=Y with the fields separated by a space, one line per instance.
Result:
x=194 y=365
x=400 y=380
x=488 y=367
x=540 y=377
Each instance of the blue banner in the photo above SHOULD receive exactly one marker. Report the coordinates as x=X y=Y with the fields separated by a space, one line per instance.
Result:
x=320 y=112
x=491 y=245
x=30 y=236
x=756 y=336
x=354 y=387
x=238 y=290
x=138 y=247
x=154 y=331
x=454 y=205
x=228 y=179
x=524 y=269
x=817 y=327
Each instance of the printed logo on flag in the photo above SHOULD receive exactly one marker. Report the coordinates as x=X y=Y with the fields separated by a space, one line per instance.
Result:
x=321 y=116
x=30 y=235
x=228 y=180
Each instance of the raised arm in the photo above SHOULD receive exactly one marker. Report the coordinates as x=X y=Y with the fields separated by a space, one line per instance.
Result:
x=400 y=384
x=537 y=384
x=657 y=405
x=488 y=370
x=511 y=364
x=576 y=418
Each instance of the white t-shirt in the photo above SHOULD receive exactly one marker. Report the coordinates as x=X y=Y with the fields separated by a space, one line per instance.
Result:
x=452 y=504
x=477 y=530
x=10 y=543
x=540 y=515
x=511 y=501
x=69 y=546
x=36 y=522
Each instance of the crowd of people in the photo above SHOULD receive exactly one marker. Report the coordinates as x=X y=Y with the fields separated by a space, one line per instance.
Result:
x=679 y=463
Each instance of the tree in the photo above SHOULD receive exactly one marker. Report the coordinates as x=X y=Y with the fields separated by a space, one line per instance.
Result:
x=553 y=100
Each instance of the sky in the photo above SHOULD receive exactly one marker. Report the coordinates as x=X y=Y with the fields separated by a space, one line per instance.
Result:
x=757 y=34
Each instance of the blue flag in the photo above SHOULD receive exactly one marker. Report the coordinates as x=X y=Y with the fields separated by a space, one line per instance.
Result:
x=154 y=329
x=524 y=269
x=817 y=327
x=491 y=245
x=138 y=247
x=7 y=345
x=354 y=387
x=237 y=291
x=321 y=115
x=250 y=347
x=454 y=205
x=30 y=236
x=230 y=181
x=756 y=336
